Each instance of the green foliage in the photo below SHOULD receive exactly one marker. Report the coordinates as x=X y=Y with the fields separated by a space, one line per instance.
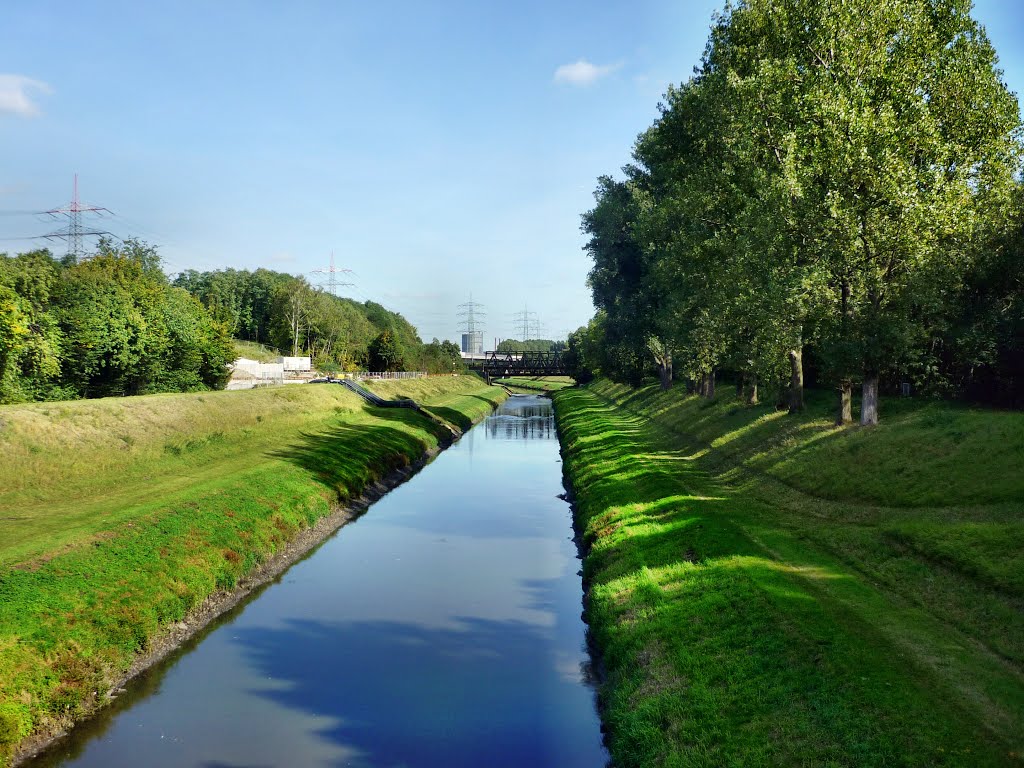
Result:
x=288 y=313
x=530 y=345
x=579 y=358
x=441 y=357
x=30 y=339
x=112 y=325
x=108 y=325
x=385 y=353
x=816 y=186
x=240 y=300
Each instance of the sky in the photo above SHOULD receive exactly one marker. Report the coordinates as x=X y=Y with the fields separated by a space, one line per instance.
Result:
x=439 y=150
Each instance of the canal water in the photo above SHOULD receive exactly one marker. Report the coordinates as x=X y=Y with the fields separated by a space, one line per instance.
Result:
x=442 y=628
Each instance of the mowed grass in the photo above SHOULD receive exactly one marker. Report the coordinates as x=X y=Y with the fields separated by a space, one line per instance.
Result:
x=459 y=406
x=118 y=516
x=541 y=383
x=759 y=598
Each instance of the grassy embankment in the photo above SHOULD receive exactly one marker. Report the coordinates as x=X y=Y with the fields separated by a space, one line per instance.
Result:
x=252 y=350
x=771 y=590
x=540 y=383
x=118 y=516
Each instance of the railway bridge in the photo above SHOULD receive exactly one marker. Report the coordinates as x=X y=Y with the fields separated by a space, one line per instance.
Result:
x=501 y=364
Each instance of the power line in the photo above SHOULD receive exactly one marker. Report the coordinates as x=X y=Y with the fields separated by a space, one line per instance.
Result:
x=527 y=323
x=332 y=280
x=75 y=232
x=472 y=312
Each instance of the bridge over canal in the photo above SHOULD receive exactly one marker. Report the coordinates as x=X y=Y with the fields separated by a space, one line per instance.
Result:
x=500 y=364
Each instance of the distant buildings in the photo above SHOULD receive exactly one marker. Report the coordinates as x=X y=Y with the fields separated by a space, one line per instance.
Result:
x=473 y=343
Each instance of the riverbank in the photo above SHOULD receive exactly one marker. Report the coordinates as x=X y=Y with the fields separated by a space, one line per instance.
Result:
x=769 y=590
x=122 y=517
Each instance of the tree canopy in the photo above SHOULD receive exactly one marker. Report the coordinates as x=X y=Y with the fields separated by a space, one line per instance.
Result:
x=836 y=182
x=108 y=325
x=113 y=324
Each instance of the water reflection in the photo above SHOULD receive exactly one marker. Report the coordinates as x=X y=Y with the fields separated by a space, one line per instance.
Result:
x=522 y=417
x=440 y=629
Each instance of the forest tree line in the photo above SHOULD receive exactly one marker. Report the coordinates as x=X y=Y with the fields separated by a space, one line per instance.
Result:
x=114 y=324
x=287 y=313
x=530 y=345
x=836 y=192
x=111 y=324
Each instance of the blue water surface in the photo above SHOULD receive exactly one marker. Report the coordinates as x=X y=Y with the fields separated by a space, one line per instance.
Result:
x=442 y=628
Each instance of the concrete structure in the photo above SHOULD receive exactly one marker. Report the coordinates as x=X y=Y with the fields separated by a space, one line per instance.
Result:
x=473 y=343
x=249 y=374
x=301 y=364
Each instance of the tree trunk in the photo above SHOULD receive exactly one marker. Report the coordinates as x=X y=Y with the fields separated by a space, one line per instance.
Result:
x=845 y=412
x=796 y=380
x=869 y=400
x=741 y=381
x=665 y=375
x=707 y=385
x=752 y=391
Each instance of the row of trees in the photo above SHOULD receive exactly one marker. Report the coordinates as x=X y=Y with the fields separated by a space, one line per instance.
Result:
x=838 y=182
x=110 y=325
x=530 y=345
x=288 y=314
x=113 y=324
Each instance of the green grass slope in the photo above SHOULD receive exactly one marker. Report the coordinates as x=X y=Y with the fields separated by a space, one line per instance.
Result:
x=540 y=383
x=768 y=590
x=118 y=516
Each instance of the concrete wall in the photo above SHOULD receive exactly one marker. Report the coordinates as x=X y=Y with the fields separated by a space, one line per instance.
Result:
x=247 y=374
x=296 y=363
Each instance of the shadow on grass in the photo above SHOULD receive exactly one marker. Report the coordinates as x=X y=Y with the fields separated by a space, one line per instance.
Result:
x=713 y=646
x=452 y=416
x=348 y=458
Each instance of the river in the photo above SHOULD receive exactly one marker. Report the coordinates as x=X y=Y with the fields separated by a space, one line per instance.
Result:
x=442 y=628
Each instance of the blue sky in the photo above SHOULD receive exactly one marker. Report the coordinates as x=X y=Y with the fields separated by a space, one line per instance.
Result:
x=437 y=148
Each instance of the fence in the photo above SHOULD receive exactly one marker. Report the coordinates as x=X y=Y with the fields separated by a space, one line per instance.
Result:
x=389 y=374
x=251 y=374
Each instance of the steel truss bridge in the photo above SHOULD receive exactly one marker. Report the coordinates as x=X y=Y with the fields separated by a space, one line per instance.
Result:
x=500 y=364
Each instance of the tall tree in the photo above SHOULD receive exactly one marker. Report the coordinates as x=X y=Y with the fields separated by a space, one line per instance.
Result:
x=385 y=353
x=893 y=138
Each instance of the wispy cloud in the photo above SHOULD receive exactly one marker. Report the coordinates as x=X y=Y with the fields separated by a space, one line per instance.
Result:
x=16 y=95
x=583 y=72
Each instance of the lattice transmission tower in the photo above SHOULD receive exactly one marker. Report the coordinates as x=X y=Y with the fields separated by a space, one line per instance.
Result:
x=527 y=324
x=471 y=314
x=76 y=232
x=332 y=272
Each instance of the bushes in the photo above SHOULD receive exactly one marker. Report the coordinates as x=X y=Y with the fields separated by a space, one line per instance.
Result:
x=110 y=325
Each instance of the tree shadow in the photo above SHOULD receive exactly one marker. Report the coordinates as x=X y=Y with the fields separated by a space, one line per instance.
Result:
x=713 y=640
x=348 y=458
x=452 y=416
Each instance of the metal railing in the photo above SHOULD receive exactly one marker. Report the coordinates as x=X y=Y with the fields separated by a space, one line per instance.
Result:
x=389 y=374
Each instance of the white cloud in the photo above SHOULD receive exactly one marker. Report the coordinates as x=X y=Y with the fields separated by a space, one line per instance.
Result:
x=16 y=95
x=583 y=72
